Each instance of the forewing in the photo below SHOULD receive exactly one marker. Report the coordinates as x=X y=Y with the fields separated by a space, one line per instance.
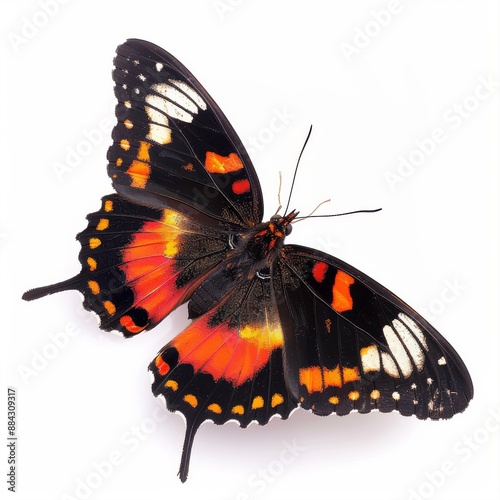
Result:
x=173 y=146
x=350 y=344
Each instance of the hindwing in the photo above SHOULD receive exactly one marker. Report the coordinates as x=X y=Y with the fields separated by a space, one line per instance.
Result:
x=350 y=344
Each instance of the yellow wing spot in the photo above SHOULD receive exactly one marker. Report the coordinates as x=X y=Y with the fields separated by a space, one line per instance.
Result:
x=103 y=224
x=109 y=306
x=91 y=263
x=276 y=400
x=172 y=384
x=191 y=399
x=375 y=394
x=334 y=400
x=128 y=124
x=128 y=104
x=215 y=408
x=171 y=249
x=125 y=144
x=108 y=206
x=353 y=395
x=258 y=402
x=94 y=243
x=269 y=337
x=119 y=162
x=238 y=410
x=94 y=287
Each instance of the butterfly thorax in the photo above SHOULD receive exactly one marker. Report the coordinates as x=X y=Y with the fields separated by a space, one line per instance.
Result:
x=268 y=237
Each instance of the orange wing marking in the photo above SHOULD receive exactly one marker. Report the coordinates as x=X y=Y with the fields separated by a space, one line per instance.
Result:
x=316 y=378
x=163 y=367
x=240 y=187
x=216 y=164
x=342 y=300
x=140 y=169
x=224 y=352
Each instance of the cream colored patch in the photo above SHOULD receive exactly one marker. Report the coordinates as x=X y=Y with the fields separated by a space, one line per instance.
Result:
x=370 y=359
x=190 y=92
x=411 y=344
x=398 y=351
x=389 y=366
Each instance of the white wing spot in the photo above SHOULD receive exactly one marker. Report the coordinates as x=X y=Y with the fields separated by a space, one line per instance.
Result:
x=158 y=131
x=178 y=101
x=429 y=381
x=190 y=92
x=389 y=366
x=396 y=396
x=398 y=351
x=177 y=97
x=159 y=66
x=135 y=62
x=415 y=329
x=410 y=343
x=442 y=361
x=141 y=77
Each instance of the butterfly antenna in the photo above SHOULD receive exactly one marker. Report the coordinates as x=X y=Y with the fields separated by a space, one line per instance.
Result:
x=279 y=194
x=297 y=167
x=298 y=219
x=338 y=215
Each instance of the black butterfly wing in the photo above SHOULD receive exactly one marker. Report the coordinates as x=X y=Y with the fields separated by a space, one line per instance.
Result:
x=140 y=263
x=228 y=363
x=173 y=146
x=184 y=183
x=350 y=344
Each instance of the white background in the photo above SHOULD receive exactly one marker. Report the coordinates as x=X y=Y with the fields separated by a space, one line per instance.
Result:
x=435 y=243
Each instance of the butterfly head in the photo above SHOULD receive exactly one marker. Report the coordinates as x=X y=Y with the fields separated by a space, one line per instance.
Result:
x=269 y=236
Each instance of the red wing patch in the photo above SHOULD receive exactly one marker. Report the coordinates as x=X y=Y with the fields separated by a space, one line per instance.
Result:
x=150 y=267
x=226 y=352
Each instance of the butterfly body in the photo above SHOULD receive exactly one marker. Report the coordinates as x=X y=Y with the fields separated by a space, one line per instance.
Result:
x=274 y=326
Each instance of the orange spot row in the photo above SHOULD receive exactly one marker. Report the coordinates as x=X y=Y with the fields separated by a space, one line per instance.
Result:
x=316 y=378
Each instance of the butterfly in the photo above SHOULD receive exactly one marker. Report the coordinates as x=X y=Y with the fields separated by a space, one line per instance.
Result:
x=274 y=326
